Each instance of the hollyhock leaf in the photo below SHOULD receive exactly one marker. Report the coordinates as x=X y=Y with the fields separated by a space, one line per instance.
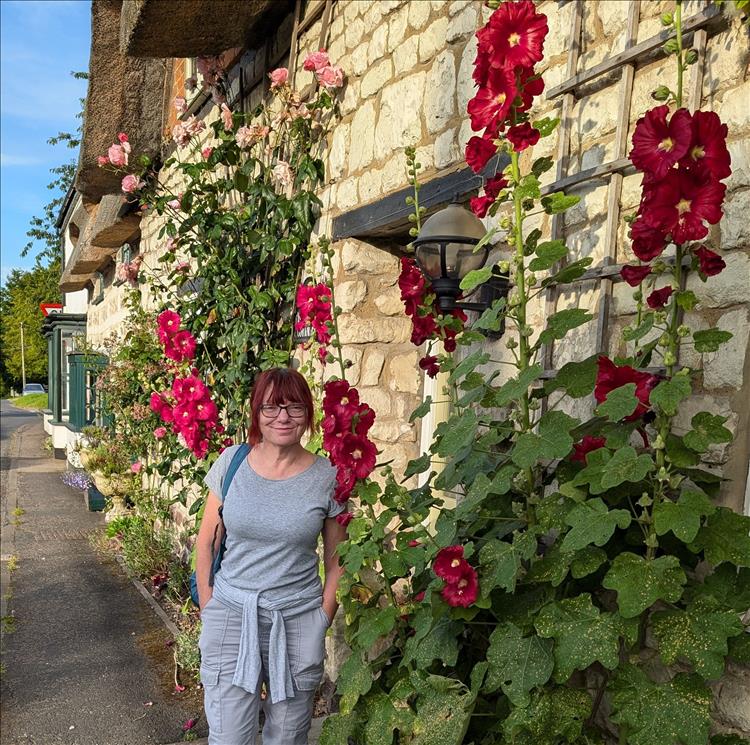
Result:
x=710 y=340
x=517 y=664
x=474 y=497
x=727 y=586
x=592 y=475
x=513 y=389
x=554 y=715
x=620 y=402
x=739 y=651
x=444 y=706
x=640 y=582
x=421 y=410
x=393 y=565
x=682 y=517
x=583 y=635
x=457 y=433
x=680 y=455
x=632 y=334
x=418 y=465
x=552 y=568
x=553 y=440
x=375 y=623
x=577 y=379
x=670 y=393
x=541 y=165
x=698 y=634
x=587 y=561
x=660 y=713
x=686 y=299
x=382 y=718
x=356 y=680
x=338 y=728
x=558 y=324
x=529 y=187
x=592 y=522
x=568 y=273
x=548 y=254
x=491 y=319
x=440 y=643
x=708 y=429
x=626 y=465
x=468 y=364
x=501 y=561
x=475 y=277
x=558 y=202
x=547 y=125
x=724 y=537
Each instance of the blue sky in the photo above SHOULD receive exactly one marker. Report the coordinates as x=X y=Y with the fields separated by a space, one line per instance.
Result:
x=41 y=43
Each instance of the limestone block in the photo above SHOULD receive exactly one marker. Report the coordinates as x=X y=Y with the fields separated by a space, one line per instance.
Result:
x=378 y=399
x=372 y=366
x=405 y=54
x=593 y=154
x=739 y=152
x=355 y=330
x=439 y=104
x=733 y=109
x=593 y=202
x=350 y=294
x=613 y=14
x=465 y=133
x=646 y=81
x=389 y=303
x=593 y=117
x=352 y=10
x=370 y=185
x=688 y=356
x=465 y=87
x=397 y=28
x=718 y=406
x=632 y=190
x=336 y=51
x=425 y=157
x=390 y=431
x=441 y=6
x=724 y=368
x=403 y=372
x=351 y=97
x=378 y=44
x=362 y=258
x=446 y=151
x=337 y=26
x=397 y=455
x=432 y=40
x=735 y=227
x=399 y=122
x=558 y=21
x=394 y=173
x=346 y=194
x=456 y=6
x=354 y=355
x=372 y=16
x=338 y=152
x=730 y=287
x=732 y=700
x=726 y=59
x=362 y=139
x=463 y=24
x=419 y=13
x=403 y=405
x=358 y=59
x=374 y=80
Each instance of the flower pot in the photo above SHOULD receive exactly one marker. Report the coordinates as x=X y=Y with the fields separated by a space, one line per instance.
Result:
x=84 y=456
x=117 y=509
x=103 y=483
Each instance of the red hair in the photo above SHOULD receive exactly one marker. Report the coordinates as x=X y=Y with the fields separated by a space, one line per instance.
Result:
x=285 y=385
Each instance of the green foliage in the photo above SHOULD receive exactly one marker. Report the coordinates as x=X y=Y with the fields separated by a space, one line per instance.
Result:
x=31 y=401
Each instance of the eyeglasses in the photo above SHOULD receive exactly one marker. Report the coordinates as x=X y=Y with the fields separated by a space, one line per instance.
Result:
x=273 y=410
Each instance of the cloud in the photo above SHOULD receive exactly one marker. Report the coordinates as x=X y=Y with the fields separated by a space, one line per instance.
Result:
x=19 y=160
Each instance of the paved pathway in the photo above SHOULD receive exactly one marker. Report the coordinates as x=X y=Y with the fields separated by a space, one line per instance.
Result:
x=87 y=651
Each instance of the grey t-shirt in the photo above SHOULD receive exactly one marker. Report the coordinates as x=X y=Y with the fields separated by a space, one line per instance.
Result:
x=273 y=525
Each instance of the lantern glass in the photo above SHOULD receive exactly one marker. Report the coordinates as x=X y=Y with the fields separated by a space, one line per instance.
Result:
x=460 y=259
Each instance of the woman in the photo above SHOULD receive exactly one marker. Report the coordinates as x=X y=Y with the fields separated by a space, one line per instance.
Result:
x=265 y=615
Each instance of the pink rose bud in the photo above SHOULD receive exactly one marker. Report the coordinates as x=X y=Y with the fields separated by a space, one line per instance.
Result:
x=206 y=152
x=122 y=137
x=159 y=432
x=136 y=467
x=102 y=160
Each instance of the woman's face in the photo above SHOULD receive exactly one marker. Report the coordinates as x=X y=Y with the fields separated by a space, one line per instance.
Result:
x=282 y=425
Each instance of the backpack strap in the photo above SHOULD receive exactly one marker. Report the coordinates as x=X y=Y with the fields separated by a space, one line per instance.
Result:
x=236 y=462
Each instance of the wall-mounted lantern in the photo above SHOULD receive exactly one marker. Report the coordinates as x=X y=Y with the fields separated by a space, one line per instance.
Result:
x=446 y=252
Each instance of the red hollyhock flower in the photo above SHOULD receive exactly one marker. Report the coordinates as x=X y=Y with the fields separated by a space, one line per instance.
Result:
x=332 y=434
x=491 y=104
x=189 y=389
x=345 y=483
x=156 y=402
x=169 y=324
x=357 y=453
x=610 y=376
x=634 y=275
x=206 y=410
x=708 y=147
x=464 y=591
x=647 y=241
x=514 y=35
x=448 y=562
x=530 y=84
x=340 y=399
x=523 y=136
x=450 y=344
x=492 y=187
x=478 y=151
x=423 y=328
x=364 y=418
x=658 y=144
x=430 y=365
x=411 y=282
x=181 y=347
x=344 y=518
x=710 y=262
x=682 y=201
x=658 y=298
x=184 y=415
x=585 y=446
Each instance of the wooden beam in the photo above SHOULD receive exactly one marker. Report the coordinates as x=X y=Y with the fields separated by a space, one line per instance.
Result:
x=709 y=15
x=620 y=165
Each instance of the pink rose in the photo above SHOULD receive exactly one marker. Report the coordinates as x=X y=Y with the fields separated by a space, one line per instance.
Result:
x=182 y=266
x=206 y=152
x=117 y=155
x=174 y=204
x=132 y=183
x=122 y=137
x=159 y=432
x=226 y=117
x=170 y=244
x=180 y=135
x=180 y=105
x=299 y=112
x=315 y=60
x=194 y=126
x=136 y=467
x=330 y=77
x=283 y=174
x=102 y=160
x=279 y=76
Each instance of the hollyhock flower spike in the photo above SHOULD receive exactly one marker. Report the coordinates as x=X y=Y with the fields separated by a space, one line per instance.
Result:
x=710 y=263
x=634 y=275
x=610 y=376
x=514 y=36
x=448 y=562
x=658 y=144
x=463 y=592
x=658 y=298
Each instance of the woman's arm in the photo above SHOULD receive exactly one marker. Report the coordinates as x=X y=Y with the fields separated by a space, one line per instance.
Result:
x=333 y=534
x=204 y=552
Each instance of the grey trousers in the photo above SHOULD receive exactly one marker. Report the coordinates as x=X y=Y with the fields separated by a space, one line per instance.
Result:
x=231 y=712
